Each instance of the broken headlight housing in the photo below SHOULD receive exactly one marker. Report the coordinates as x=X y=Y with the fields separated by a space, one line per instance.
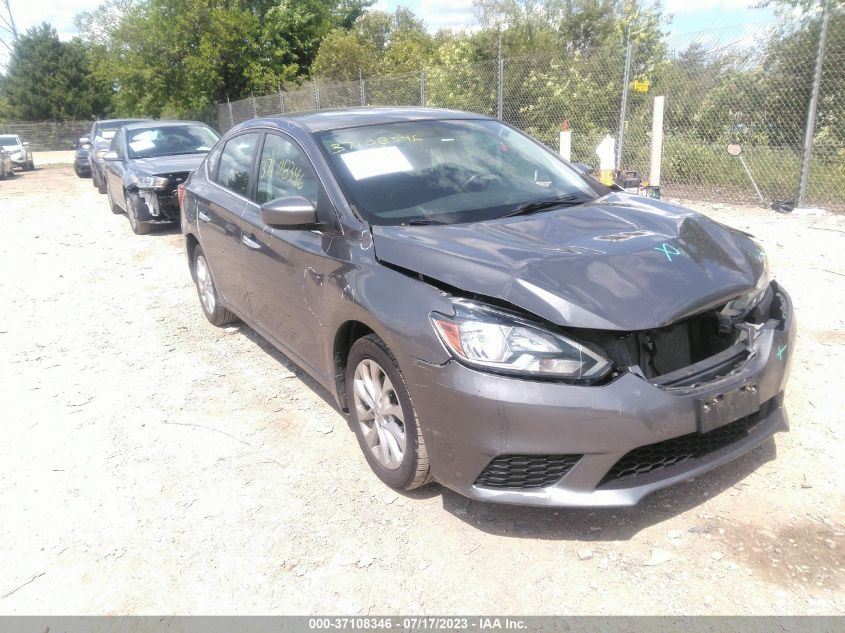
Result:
x=146 y=181
x=736 y=309
x=490 y=339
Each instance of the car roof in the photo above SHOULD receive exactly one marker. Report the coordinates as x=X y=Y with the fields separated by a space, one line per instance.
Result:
x=100 y=121
x=322 y=120
x=164 y=123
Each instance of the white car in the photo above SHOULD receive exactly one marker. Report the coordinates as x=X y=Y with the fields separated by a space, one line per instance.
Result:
x=18 y=149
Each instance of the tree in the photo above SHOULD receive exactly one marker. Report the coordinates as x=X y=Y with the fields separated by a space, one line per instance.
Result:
x=179 y=56
x=48 y=79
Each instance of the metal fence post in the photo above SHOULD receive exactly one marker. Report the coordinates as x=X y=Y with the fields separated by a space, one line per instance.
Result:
x=500 y=80
x=231 y=116
x=281 y=101
x=362 y=88
x=623 y=112
x=813 y=110
x=422 y=87
x=254 y=108
x=316 y=94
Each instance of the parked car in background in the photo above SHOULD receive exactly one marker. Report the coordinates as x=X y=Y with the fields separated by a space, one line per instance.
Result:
x=145 y=164
x=80 y=159
x=6 y=169
x=19 y=151
x=102 y=133
x=490 y=317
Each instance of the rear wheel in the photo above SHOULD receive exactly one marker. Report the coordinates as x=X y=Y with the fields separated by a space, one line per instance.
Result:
x=138 y=227
x=384 y=418
x=214 y=311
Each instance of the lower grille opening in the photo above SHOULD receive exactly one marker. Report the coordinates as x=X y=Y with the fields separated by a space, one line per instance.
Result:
x=526 y=471
x=654 y=457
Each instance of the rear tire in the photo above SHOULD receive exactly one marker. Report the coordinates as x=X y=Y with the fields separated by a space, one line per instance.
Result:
x=210 y=302
x=385 y=422
x=30 y=165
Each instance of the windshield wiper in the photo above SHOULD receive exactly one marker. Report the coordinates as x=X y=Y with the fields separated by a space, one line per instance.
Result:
x=423 y=222
x=541 y=205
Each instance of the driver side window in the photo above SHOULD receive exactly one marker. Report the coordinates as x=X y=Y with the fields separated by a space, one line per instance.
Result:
x=285 y=171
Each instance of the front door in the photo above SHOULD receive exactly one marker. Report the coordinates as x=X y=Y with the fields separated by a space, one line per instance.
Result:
x=284 y=267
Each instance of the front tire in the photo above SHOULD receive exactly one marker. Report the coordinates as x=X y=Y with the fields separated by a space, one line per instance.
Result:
x=138 y=227
x=384 y=418
x=212 y=307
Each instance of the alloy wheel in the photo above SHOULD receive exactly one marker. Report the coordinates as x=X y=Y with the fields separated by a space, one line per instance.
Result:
x=205 y=285
x=379 y=414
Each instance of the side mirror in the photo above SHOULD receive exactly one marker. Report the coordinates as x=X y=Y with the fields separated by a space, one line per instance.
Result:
x=25 y=143
x=289 y=212
x=111 y=156
x=584 y=169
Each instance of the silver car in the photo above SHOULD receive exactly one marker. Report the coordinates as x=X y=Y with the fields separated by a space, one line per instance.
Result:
x=18 y=150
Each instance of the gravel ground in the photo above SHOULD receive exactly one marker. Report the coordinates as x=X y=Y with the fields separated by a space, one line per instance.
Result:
x=152 y=463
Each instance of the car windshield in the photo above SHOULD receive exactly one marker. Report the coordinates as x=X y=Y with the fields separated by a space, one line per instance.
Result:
x=106 y=131
x=170 y=140
x=449 y=171
x=9 y=139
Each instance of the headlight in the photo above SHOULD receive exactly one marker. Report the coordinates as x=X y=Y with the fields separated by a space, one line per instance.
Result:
x=742 y=305
x=487 y=338
x=145 y=181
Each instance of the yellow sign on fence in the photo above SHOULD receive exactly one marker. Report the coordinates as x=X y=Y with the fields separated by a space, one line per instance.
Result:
x=641 y=85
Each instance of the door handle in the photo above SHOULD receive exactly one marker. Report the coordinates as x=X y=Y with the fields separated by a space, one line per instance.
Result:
x=203 y=217
x=250 y=241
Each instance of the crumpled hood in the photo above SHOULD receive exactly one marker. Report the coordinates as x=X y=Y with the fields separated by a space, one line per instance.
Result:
x=168 y=164
x=619 y=263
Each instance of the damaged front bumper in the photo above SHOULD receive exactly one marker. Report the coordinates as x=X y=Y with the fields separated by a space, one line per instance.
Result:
x=509 y=440
x=156 y=207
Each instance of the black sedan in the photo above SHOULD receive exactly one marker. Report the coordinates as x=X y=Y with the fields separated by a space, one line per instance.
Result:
x=490 y=317
x=81 y=164
x=147 y=162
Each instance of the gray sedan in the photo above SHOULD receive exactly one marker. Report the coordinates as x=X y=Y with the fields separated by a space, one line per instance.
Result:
x=489 y=317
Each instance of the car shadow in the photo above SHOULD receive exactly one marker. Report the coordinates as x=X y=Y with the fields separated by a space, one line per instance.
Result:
x=272 y=351
x=607 y=524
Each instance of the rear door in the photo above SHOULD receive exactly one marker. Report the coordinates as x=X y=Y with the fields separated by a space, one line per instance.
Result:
x=220 y=207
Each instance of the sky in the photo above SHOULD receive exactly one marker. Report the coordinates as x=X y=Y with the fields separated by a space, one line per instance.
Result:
x=690 y=16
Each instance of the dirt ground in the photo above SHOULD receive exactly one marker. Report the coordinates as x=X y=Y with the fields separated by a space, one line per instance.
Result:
x=152 y=463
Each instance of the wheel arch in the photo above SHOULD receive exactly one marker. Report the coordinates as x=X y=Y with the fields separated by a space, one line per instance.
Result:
x=345 y=337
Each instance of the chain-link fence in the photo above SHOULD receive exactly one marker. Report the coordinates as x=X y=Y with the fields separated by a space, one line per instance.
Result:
x=45 y=136
x=753 y=85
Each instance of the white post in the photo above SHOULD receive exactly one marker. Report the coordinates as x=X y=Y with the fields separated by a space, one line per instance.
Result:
x=656 y=142
x=566 y=141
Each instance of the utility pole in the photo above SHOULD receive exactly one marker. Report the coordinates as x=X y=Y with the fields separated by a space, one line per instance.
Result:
x=810 y=130
x=9 y=20
x=623 y=113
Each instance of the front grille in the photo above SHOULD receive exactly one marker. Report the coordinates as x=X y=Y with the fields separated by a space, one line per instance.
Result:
x=526 y=471
x=678 y=450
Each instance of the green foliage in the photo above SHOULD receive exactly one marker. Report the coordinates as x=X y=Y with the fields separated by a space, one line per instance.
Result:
x=50 y=80
x=177 y=56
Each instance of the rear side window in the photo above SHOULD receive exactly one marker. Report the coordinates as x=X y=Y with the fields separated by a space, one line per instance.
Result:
x=236 y=163
x=285 y=171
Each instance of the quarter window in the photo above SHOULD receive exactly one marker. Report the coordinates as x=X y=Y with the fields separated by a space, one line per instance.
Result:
x=236 y=163
x=285 y=171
